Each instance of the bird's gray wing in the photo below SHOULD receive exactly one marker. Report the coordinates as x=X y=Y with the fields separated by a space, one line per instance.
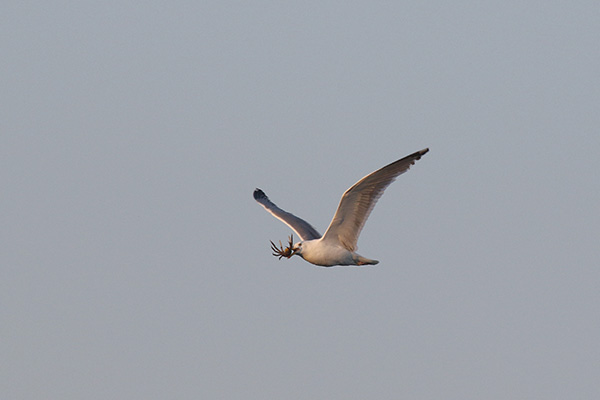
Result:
x=298 y=225
x=358 y=201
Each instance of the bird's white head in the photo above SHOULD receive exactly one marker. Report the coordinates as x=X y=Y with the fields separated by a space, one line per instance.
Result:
x=297 y=249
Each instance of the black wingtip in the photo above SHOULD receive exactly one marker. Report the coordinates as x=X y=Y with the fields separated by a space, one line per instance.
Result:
x=259 y=194
x=420 y=153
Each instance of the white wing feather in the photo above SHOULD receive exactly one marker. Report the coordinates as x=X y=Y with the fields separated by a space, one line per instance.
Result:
x=298 y=225
x=358 y=201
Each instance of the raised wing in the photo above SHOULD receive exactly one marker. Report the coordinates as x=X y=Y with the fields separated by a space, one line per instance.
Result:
x=298 y=225
x=358 y=201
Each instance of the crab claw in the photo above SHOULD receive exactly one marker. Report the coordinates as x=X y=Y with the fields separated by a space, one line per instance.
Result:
x=280 y=252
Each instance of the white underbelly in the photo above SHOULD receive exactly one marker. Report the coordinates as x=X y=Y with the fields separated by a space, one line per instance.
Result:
x=328 y=256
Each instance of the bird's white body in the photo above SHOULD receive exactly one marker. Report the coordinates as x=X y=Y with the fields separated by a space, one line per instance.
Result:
x=327 y=254
x=338 y=245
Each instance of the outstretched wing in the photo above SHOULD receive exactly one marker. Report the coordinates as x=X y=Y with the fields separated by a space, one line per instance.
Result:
x=298 y=225
x=358 y=201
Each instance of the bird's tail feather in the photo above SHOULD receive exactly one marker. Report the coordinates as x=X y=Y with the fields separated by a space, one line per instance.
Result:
x=365 y=261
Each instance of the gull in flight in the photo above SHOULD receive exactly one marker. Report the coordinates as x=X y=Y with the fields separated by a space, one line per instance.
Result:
x=338 y=245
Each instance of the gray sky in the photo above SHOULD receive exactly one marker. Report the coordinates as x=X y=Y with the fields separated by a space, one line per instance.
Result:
x=135 y=263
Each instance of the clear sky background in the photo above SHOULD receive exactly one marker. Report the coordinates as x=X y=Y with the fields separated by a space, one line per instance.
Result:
x=136 y=265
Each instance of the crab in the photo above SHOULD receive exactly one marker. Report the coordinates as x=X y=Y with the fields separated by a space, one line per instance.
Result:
x=280 y=252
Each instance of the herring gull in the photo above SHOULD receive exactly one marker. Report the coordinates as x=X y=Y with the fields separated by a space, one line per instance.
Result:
x=338 y=245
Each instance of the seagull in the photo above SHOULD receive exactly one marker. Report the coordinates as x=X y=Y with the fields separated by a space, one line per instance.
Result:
x=338 y=245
